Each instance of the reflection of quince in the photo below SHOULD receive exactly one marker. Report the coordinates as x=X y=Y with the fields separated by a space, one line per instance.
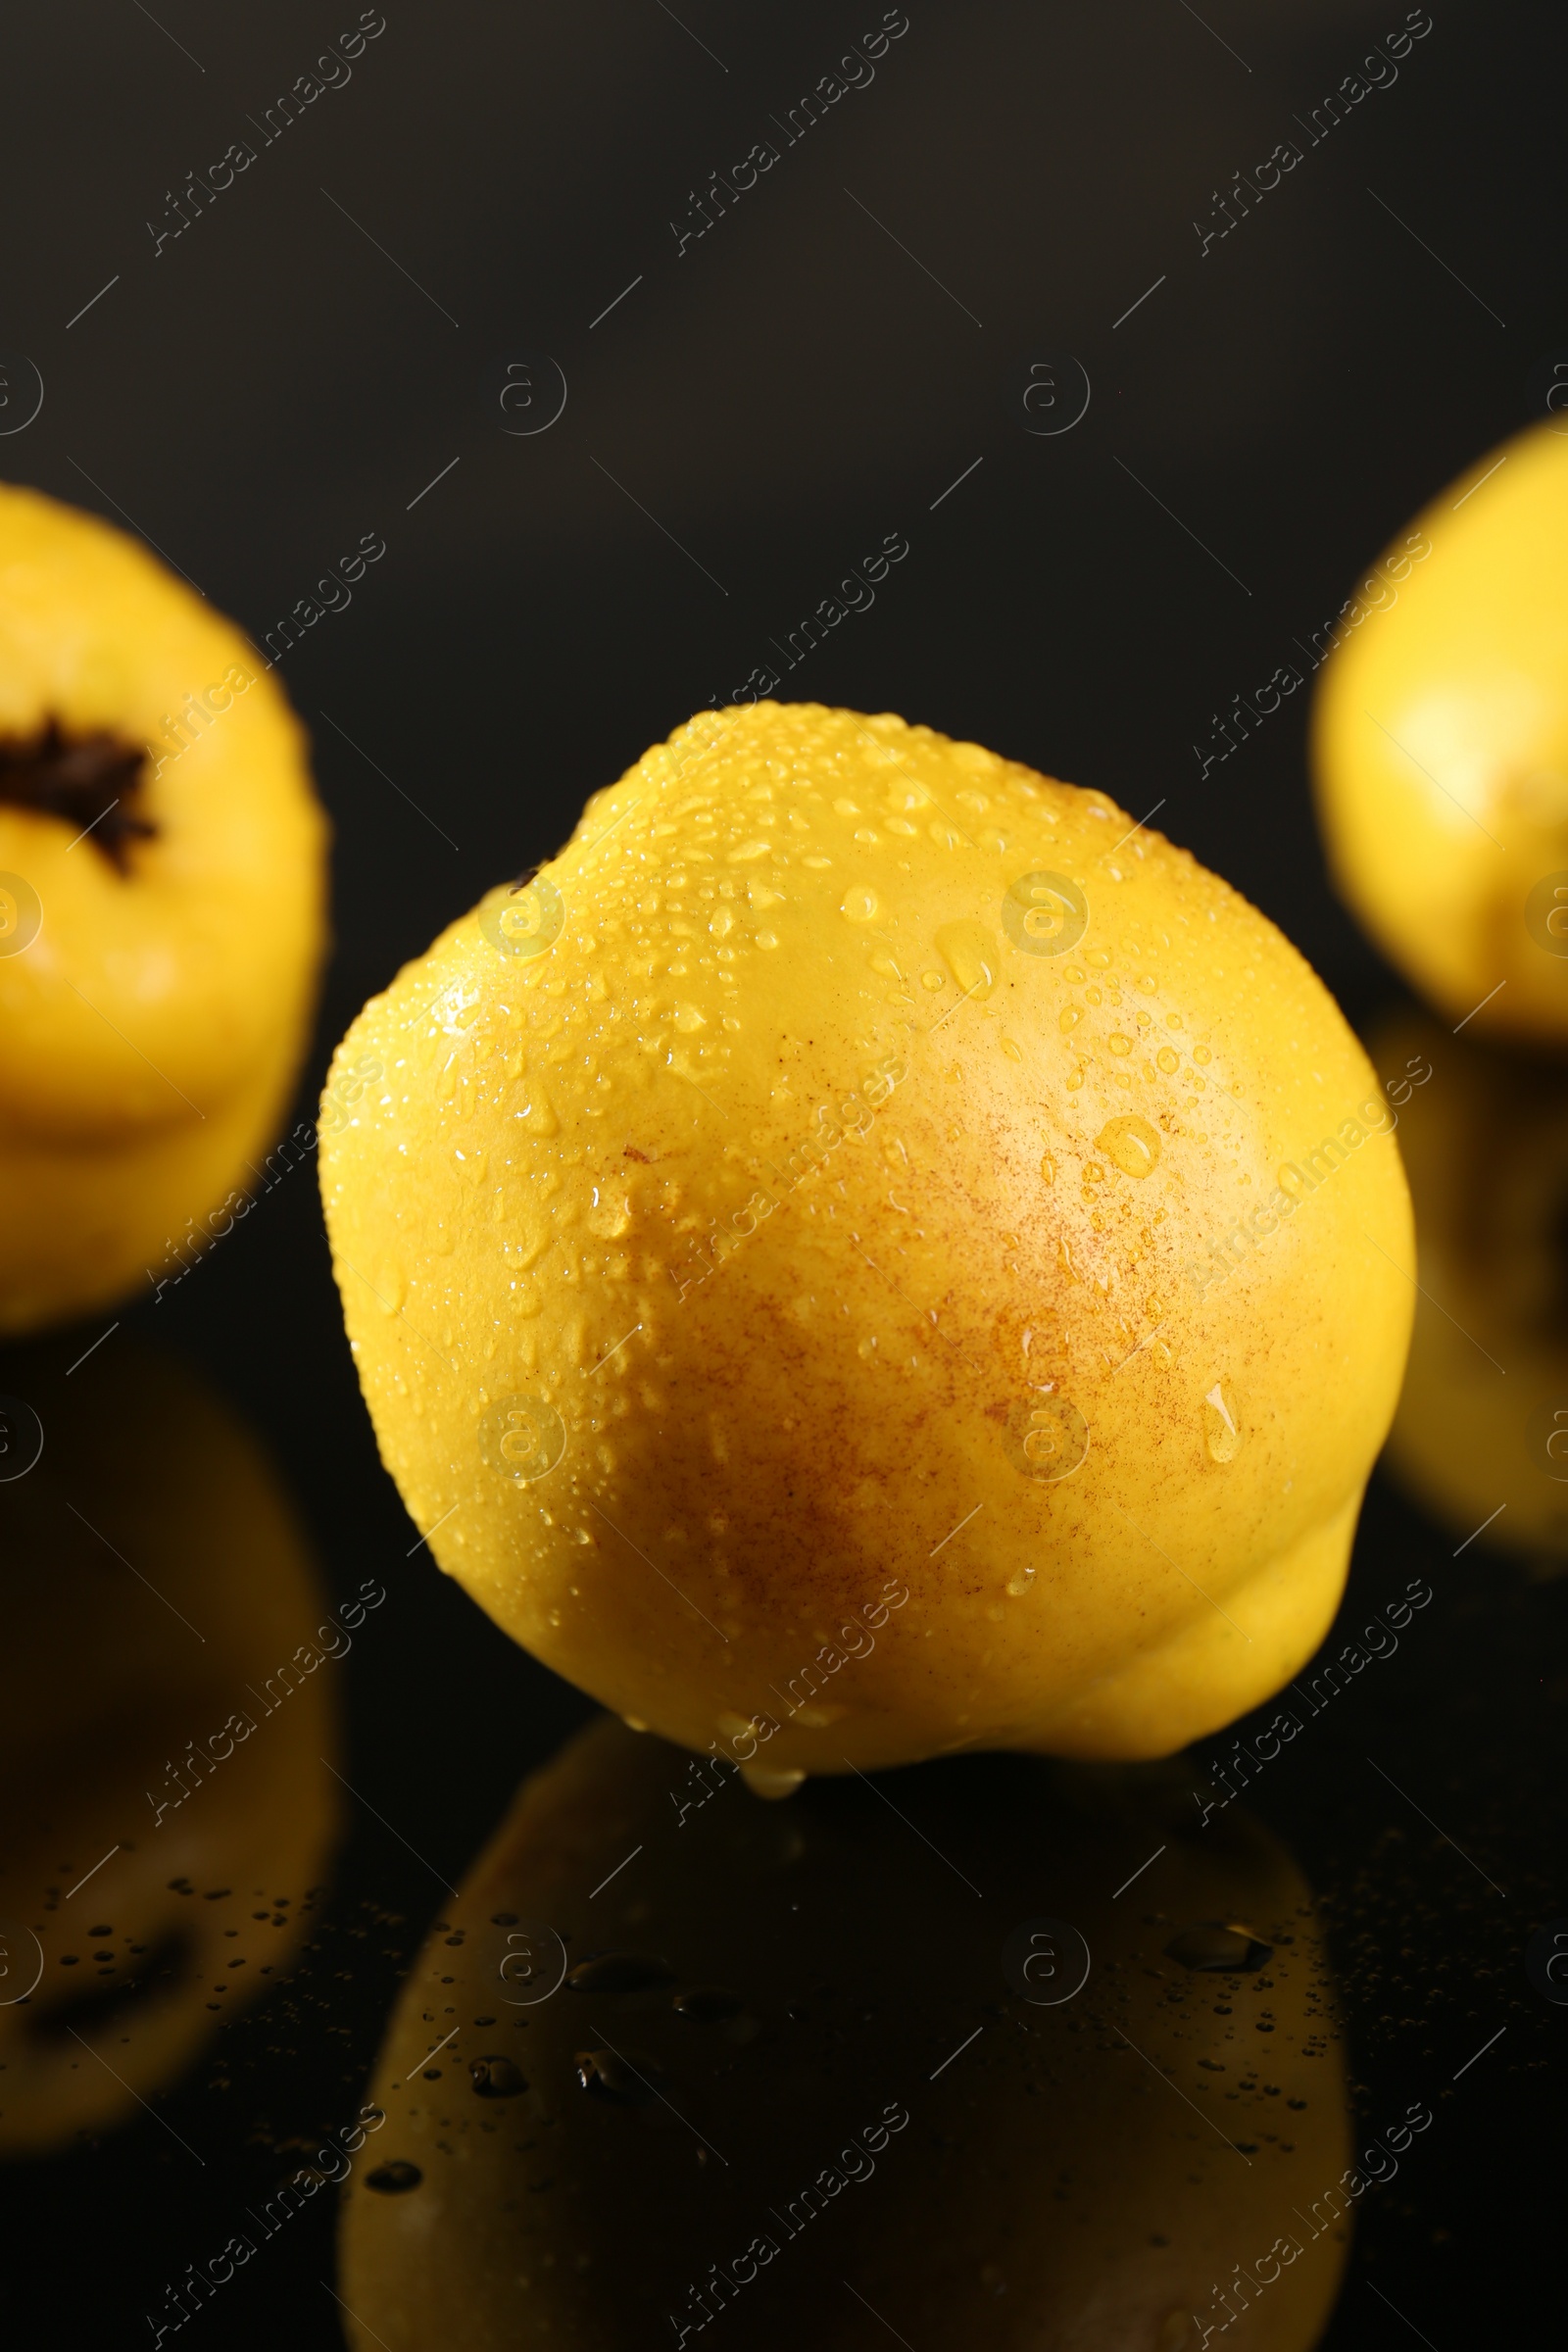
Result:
x=1440 y=745
x=757 y=1994
x=860 y=1176
x=1483 y=1419
x=155 y=1587
x=161 y=910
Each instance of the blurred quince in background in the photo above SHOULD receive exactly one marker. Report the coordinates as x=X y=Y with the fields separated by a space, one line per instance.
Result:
x=166 y=1810
x=1441 y=746
x=670 y=2055
x=1481 y=1432
x=162 y=910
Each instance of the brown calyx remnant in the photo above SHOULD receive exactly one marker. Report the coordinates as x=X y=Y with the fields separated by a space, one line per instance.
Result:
x=90 y=782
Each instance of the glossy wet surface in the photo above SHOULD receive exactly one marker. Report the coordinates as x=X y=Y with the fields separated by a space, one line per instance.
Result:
x=1267 y=2042
x=289 y=1933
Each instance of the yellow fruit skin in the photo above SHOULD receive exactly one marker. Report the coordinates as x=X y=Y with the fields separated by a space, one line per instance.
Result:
x=150 y=1032
x=1049 y=2188
x=108 y=1677
x=1439 y=745
x=795 y=923
x=1484 y=1139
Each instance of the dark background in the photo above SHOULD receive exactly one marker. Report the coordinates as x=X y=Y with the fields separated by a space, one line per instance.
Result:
x=279 y=380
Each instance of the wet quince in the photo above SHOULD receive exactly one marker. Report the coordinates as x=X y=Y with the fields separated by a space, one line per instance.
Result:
x=872 y=1251
x=1440 y=745
x=162 y=890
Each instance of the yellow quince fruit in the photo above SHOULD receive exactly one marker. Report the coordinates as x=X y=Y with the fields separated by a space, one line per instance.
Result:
x=871 y=1251
x=1440 y=742
x=161 y=910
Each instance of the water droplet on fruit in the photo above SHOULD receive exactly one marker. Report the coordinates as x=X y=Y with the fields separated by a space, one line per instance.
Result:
x=394 y=2180
x=1222 y=1432
x=860 y=905
x=971 y=955
x=1019 y=1585
x=1168 y=1061
x=1047 y=1438
x=1047 y=1168
x=523 y=1439
x=1069 y=1016
x=1219 y=1946
x=603 y=2074
x=1130 y=1142
x=495 y=2079
x=708 y=2005
x=619 y=1971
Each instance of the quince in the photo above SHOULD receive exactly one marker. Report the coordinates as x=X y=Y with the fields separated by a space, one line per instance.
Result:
x=1441 y=746
x=1481 y=1433
x=772 y=2070
x=162 y=891
x=872 y=1251
x=169 y=1809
